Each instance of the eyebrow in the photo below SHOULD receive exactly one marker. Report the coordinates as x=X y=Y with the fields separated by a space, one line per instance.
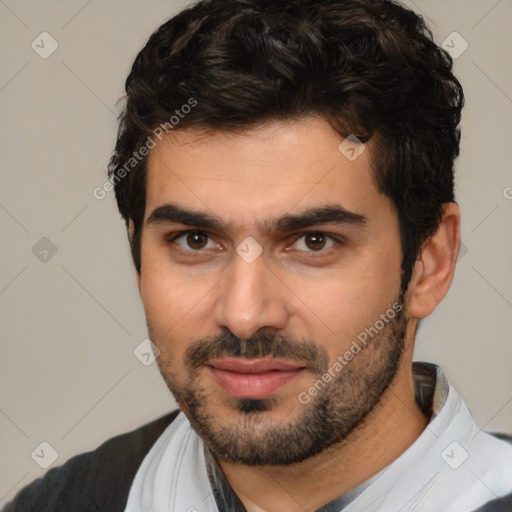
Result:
x=174 y=214
x=328 y=214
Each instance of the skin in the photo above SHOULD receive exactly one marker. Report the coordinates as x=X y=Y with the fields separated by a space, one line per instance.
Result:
x=326 y=297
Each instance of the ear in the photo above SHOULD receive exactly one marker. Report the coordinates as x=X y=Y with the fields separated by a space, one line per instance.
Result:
x=433 y=271
x=131 y=228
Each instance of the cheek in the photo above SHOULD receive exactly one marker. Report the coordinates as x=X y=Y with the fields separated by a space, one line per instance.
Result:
x=169 y=308
x=169 y=301
x=166 y=296
x=349 y=299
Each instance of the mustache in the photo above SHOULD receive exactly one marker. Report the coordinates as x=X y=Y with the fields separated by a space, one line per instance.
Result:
x=261 y=344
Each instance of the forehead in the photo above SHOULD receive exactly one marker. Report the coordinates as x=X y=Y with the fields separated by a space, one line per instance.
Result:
x=263 y=172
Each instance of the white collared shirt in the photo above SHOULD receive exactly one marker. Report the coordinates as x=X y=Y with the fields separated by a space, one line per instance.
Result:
x=453 y=466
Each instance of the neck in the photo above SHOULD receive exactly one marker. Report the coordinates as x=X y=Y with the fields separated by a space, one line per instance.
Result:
x=393 y=425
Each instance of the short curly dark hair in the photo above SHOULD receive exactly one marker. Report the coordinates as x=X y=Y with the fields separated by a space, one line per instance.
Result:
x=369 y=67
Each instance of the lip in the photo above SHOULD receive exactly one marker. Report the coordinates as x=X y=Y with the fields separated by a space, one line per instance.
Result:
x=253 y=378
x=239 y=365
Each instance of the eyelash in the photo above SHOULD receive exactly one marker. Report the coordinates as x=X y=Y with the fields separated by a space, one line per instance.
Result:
x=330 y=238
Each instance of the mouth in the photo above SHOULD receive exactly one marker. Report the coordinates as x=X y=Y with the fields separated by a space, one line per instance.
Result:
x=253 y=378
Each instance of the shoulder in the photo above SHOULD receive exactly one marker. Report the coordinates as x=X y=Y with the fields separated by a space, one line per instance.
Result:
x=99 y=480
x=503 y=437
x=502 y=501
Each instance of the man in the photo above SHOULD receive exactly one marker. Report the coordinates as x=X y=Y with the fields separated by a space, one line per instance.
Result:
x=285 y=170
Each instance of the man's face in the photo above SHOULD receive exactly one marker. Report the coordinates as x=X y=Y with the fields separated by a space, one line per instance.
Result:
x=246 y=326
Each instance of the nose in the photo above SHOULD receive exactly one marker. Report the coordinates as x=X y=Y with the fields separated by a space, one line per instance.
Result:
x=250 y=298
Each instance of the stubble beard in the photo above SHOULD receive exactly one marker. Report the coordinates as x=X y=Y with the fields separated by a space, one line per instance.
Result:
x=250 y=435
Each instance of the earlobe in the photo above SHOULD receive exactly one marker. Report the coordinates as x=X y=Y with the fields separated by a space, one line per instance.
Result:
x=434 y=270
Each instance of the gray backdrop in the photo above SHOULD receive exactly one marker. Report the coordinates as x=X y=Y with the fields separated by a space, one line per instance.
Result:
x=70 y=314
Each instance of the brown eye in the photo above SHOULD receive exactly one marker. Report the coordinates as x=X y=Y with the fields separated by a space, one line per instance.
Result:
x=315 y=241
x=194 y=241
x=197 y=240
